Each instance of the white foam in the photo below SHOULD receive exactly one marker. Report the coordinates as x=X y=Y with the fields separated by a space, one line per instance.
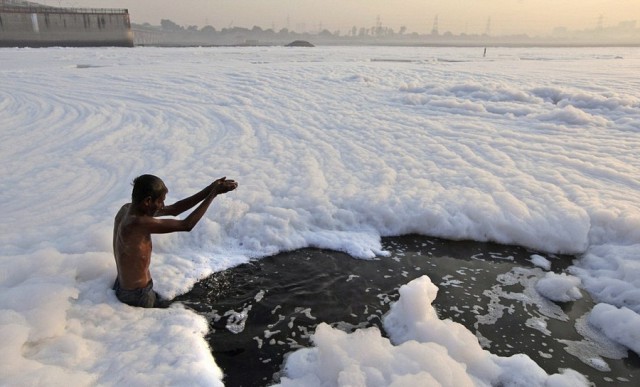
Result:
x=541 y=261
x=559 y=287
x=331 y=150
x=594 y=346
x=621 y=325
x=422 y=349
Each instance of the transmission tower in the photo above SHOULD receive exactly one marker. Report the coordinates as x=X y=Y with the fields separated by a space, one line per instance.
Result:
x=487 y=30
x=434 y=30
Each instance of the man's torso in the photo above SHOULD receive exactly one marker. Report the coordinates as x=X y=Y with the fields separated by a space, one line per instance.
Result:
x=132 y=249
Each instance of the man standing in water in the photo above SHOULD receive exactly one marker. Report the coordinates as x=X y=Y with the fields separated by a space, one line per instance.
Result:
x=136 y=221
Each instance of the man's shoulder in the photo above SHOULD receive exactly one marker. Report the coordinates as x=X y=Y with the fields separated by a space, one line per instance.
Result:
x=131 y=218
x=128 y=222
x=122 y=211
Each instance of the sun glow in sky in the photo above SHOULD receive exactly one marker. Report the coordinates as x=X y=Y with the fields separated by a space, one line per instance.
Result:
x=535 y=17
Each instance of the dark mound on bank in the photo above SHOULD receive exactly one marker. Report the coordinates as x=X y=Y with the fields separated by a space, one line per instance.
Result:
x=299 y=43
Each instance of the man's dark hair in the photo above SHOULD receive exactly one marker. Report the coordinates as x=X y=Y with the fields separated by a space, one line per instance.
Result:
x=147 y=185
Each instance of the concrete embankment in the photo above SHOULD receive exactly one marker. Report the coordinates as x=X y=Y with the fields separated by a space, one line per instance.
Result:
x=48 y=26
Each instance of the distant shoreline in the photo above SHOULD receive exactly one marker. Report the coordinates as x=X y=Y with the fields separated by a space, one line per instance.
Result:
x=337 y=44
x=385 y=44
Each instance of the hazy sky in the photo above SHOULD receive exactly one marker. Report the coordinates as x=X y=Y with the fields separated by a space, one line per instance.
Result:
x=470 y=16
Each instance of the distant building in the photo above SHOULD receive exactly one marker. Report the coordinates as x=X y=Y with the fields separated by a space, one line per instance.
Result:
x=27 y=24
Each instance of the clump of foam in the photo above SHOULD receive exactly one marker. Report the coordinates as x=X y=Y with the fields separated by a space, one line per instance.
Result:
x=422 y=349
x=559 y=287
x=540 y=261
x=621 y=325
x=594 y=346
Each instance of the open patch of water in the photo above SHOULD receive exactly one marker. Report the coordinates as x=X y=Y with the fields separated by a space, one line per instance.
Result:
x=260 y=311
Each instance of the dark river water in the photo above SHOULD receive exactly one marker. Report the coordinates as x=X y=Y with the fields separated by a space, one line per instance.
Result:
x=260 y=311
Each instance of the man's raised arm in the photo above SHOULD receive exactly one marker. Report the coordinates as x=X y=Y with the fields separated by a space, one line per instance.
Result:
x=185 y=204
x=162 y=226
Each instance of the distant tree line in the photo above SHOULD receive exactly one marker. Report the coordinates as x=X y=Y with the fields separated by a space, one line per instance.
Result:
x=257 y=32
x=170 y=33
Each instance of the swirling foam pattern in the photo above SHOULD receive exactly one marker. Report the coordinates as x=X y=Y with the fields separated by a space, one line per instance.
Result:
x=332 y=147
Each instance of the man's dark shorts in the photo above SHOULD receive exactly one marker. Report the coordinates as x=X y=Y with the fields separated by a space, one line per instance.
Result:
x=143 y=297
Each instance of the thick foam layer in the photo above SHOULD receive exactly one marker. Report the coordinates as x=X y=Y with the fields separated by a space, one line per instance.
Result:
x=330 y=148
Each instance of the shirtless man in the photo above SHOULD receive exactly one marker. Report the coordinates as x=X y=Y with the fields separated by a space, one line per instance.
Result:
x=136 y=221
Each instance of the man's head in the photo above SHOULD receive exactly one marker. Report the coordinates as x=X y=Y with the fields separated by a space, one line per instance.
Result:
x=147 y=186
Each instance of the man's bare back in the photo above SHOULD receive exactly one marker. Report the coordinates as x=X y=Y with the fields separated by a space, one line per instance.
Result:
x=136 y=221
x=132 y=249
